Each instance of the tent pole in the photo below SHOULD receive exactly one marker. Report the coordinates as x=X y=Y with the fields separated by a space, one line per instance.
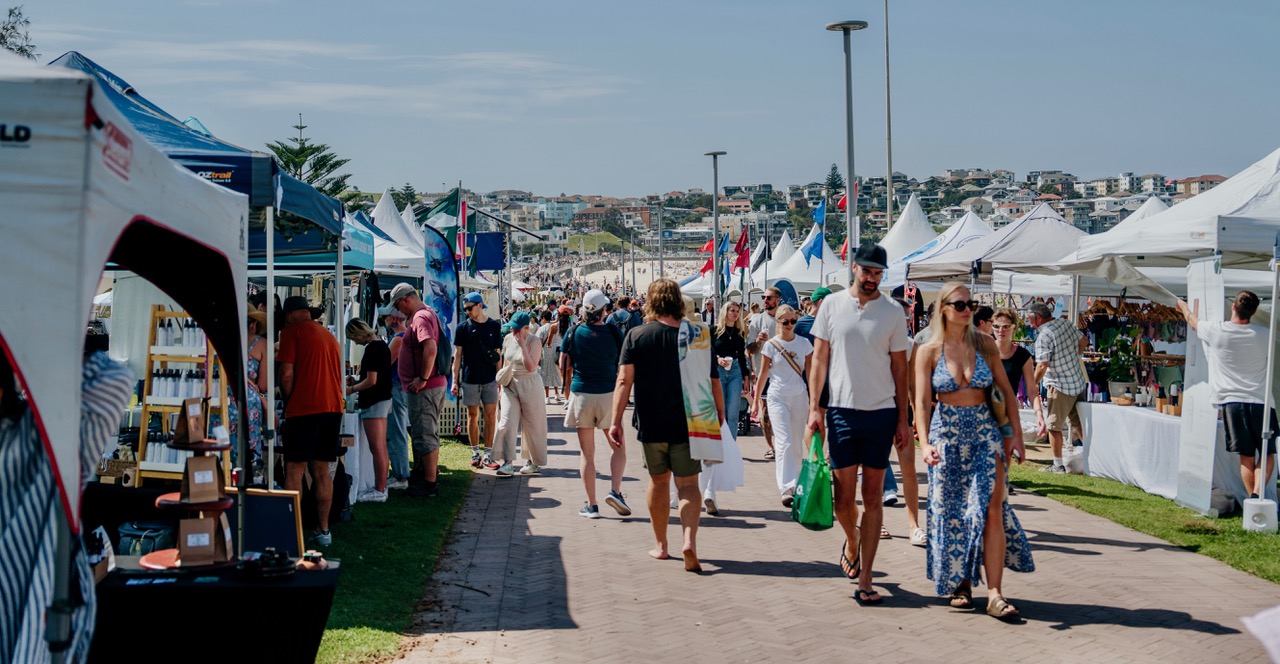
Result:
x=57 y=632
x=270 y=405
x=1268 y=400
x=340 y=311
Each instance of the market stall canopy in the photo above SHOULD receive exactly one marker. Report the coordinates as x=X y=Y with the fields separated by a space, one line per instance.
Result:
x=248 y=172
x=522 y=286
x=85 y=188
x=781 y=253
x=1239 y=217
x=969 y=229
x=910 y=231
x=1039 y=236
x=387 y=219
x=314 y=251
x=807 y=270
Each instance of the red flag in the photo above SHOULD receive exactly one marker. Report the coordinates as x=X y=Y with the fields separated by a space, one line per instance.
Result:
x=709 y=266
x=743 y=250
x=708 y=246
x=844 y=200
x=844 y=250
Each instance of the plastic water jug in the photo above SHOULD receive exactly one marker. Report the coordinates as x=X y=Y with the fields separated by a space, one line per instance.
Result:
x=1260 y=515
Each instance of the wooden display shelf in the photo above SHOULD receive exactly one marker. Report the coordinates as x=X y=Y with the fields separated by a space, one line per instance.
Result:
x=173 y=501
x=168 y=559
x=169 y=469
x=207 y=445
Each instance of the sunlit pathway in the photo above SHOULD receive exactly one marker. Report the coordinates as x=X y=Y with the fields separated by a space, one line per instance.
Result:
x=525 y=579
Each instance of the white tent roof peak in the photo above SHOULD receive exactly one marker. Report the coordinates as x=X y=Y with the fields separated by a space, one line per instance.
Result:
x=969 y=229
x=909 y=232
x=388 y=219
x=1035 y=237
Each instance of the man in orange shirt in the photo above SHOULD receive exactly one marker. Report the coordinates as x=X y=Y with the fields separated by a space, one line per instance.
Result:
x=311 y=382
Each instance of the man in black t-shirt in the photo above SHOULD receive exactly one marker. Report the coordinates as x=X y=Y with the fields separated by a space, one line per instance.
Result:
x=475 y=375
x=651 y=361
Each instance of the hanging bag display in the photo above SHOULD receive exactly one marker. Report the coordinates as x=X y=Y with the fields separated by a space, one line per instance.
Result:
x=812 y=507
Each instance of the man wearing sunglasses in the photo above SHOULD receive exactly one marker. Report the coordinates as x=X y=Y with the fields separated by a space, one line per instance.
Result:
x=862 y=339
x=475 y=375
x=1058 y=367
x=760 y=329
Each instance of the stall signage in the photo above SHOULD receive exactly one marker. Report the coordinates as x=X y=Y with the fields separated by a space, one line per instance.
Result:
x=117 y=150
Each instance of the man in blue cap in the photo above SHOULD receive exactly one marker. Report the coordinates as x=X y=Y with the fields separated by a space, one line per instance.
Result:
x=475 y=373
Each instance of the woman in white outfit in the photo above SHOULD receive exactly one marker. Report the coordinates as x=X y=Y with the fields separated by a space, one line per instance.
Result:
x=522 y=401
x=550 y=335
x=786 y=359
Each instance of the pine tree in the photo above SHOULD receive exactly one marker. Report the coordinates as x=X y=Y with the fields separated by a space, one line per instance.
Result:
x=404 y=196
x=835 y=183
x=14 y=36
x=313 y=163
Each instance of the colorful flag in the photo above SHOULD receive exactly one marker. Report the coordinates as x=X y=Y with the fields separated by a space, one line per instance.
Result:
x=708 y=266
x=820 y=213
x=708 y=246
x=844 y=200
x=813 y=248
x=844 y=250
x=744 y=251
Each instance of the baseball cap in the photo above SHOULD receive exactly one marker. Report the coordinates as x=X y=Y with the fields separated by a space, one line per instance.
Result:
x=819 y=294
x=871 y=254
x=401 y=291
x=564 y=310
x=474 y=298
x=519 y=321
x=594 y=301
x=296 y=303
x=391 y=310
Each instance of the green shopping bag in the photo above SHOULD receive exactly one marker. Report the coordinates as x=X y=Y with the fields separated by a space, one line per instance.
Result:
x=812 y=506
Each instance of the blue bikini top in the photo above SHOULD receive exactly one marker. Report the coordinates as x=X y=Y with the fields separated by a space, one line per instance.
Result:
x=944 y=382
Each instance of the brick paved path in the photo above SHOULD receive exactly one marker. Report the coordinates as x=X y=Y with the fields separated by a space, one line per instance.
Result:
x=525 y=579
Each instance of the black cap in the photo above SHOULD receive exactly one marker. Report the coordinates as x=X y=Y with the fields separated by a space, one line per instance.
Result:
x=295 y=303
x=870 y=254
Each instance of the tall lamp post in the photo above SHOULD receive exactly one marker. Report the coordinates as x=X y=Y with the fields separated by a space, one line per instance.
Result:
x=888 y=122
x=662 y=271
x=634 y=288
x=853 y=226
x=715 y=220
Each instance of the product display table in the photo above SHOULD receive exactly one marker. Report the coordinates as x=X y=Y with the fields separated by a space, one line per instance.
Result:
x=1134 y=445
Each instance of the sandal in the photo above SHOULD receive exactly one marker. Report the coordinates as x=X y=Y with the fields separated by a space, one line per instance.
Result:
x=884 y=533
x=864 y=597
x=962 y=597
x=851 y=569
x=1001 y=609
x=769 y=454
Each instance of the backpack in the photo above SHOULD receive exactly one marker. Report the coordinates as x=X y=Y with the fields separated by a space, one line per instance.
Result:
x=444 y=350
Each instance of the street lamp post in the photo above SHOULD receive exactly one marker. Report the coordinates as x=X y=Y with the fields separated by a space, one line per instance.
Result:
x=888 y=122
x=715 y=220
x=662 y=271
x=853 y=226
x=634 y=287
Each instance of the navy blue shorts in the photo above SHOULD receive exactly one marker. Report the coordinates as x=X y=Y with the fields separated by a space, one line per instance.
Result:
x=861 y=437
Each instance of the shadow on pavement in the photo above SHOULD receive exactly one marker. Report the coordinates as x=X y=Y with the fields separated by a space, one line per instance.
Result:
x=1067 y=616
x=781 y=568
x=1042 y=539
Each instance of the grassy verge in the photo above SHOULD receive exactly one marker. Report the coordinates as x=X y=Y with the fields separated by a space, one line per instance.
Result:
x=590 y=242
x=388 y=552
x=1223 y=539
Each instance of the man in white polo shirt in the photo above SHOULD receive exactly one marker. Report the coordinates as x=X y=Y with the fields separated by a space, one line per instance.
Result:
x=860 y=346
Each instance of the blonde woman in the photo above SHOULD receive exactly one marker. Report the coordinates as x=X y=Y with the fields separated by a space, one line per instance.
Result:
x=374 y=399
x=522 y=401
x=729 y=345
x=971 y=526
x=786 y=356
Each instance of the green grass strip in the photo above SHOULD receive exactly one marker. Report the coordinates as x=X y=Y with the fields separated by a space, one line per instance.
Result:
x=1223 y=539
x=388 y=553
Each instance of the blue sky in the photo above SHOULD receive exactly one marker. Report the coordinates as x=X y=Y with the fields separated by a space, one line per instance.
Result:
x=623 y=99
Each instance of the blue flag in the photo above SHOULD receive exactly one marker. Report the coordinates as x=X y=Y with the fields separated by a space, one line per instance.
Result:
x=724 y=244
x=820 y=213
x=813 y=248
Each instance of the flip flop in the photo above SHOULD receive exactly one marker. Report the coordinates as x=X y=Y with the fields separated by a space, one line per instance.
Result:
x=852 y=570
x=864 y=597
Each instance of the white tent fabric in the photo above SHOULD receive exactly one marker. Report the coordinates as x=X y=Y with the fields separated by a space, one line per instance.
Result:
x=1039 y=236
x=522 y=286
x=969 y=229
x=781 y=253
x=911 y=231
x=1239 y=217
x=806 y=275
x=388 y=220
x=405 y=257
x=83 y=179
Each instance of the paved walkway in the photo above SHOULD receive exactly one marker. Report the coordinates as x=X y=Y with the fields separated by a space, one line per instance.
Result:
x=525 y=579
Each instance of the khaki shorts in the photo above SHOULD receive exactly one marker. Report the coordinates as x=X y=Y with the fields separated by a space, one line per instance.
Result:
x=659 y=458
x=589 y=411
x=1062 y=407
x=424 y=420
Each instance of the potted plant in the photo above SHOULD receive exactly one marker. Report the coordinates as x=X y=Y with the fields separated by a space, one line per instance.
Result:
x=1121 y=360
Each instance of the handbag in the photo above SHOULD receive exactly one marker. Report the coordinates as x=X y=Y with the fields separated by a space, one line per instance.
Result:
x=812 y=505
x=138 y=538
x=508 y=370
x=995 y=401
x=782 y=350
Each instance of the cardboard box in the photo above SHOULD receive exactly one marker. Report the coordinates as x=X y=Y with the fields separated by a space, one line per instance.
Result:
x=201 y=481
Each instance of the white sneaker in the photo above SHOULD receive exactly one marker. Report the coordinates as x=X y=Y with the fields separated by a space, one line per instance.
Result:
x=890 y=498
x=399 y=484
x=530 y=469
x=507 y=470
x=372 y=496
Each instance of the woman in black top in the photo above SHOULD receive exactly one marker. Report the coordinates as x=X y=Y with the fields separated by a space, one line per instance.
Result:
x=730 y=345
x=1019 y=366
x=374 y=390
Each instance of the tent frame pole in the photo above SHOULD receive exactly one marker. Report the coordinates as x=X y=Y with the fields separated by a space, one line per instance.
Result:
x=1268 y=400
x=269 y=434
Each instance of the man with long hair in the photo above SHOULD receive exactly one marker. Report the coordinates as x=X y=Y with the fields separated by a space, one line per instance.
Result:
x=652 y=357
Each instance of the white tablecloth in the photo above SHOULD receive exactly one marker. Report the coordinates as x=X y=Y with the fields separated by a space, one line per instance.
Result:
x=1137 y=446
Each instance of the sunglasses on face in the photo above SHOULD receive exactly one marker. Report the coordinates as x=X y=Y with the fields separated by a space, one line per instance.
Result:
x=771 y=297
x=962 y=305
x=789 y=321
x=1001 y=326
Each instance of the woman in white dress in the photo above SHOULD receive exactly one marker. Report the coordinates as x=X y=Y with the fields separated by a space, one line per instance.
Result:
x=786 y=358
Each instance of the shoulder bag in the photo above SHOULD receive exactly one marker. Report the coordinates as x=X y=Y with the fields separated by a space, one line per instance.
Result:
x=508 y=370
x=790 y=360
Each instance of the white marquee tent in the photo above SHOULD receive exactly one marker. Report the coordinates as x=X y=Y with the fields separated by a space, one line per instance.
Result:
x=1038 y=236
x=781 y=253
x=911 y=231
x=969 y=229
x=406 y=255
x=807 y=274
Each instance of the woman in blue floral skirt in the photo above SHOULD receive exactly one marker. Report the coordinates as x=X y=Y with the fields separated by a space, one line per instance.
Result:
x=971 y=525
